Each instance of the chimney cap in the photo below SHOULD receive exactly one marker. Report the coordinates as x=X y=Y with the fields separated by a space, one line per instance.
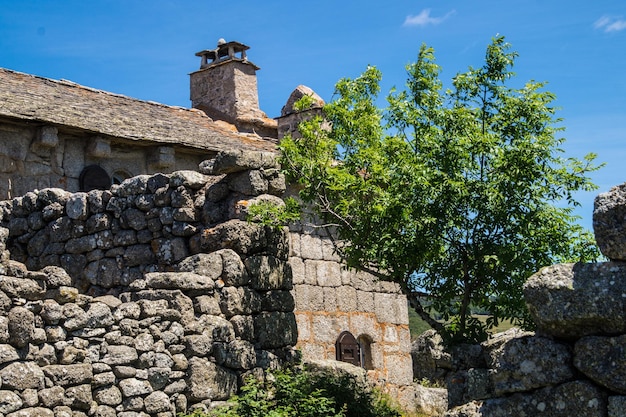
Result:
x=225 y=51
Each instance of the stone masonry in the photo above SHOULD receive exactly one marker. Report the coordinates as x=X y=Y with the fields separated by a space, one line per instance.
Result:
x=575 y=362
x=157 y=296
x=148 y=299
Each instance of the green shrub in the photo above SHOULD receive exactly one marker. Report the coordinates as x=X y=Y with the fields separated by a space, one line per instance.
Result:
x=295 y=392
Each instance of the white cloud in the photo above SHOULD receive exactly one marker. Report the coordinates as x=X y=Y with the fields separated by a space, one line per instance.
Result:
x=610 y=24
x=424 y=18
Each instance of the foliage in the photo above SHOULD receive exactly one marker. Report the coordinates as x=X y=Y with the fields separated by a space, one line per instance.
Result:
x=270 y=214
x=295 y=392
x=459 y=195
x=306 y=102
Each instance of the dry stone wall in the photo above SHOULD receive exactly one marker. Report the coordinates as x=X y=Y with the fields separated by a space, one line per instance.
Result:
x=151 y=298
x=575 y=362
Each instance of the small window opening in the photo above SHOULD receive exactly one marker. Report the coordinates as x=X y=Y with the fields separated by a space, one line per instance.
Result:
x=365 y=343
x=94 y=177
x=119 y=177
x=347 y=349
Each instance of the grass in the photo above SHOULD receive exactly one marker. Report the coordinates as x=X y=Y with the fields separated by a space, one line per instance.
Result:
x=418 y=326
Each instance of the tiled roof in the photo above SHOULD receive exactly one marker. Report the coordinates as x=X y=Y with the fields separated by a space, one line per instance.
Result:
x=64 y=103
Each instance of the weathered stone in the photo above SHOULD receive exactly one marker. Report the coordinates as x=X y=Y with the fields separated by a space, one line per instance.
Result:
x=603 y=359
x=106 y=272
x=65 y=375
x=238 y=160
x=132 y=387
x=122 y=372
x=179 y=280
x=168 y=304
x=238 y=354
x=9 y=402
x=159 y=377
x=430 y=357
x=21 y=326
x=75 y=317
x=127 y=310
x=101 y=411
x=22 y=288
x=609 y=213
x=78 y=397
x=191 y=179
x=22 y=375
x=138 y=255
x=207 y=264
x=521 y=361
x=30 y=397
x=169 y=251
x=134 y=185
x=77 y=206
x=430 y=401
x=467 y=385
x=56 y=277
x=232 y=301
x=103 y=379
x=617 y=405
x=268 y=273
x=274 y=330
x=207 y=304
x=120 y=355
x=199 y=344
x=575 y=300
x=52 y=397
x=575 y=398
x=110 y=395
x=98 y=316
x=157 y=402
x=32 y=412
x=278 y=301
x=7 y=354
x=242 y=237
x=207 y=380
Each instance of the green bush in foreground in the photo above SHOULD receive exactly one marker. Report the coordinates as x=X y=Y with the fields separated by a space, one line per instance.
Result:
x=296 y=392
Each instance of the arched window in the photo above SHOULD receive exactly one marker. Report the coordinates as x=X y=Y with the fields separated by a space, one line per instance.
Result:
x=94 y=177
x=365 y=343
x=119 y=176
x=347 y=349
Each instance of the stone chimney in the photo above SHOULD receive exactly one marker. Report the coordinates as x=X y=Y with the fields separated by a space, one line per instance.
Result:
x=225 y=88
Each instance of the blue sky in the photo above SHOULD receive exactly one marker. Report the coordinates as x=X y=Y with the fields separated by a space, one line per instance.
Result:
x=145 y=49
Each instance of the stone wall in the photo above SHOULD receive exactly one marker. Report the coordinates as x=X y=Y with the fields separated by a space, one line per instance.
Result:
x=44 y=157
x=575 y=362
x=156 y=295
x=331 y=299
x=150 y=298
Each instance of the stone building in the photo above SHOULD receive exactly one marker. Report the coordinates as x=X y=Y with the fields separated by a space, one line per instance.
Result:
x=60 y=135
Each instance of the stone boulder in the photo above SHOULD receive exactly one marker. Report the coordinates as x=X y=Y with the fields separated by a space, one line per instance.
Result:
x=430 y=401
x=576 y=398
x=237 y=160
x=609 y=227
x=520 y=361
x=355 y=375
x=576 y=300
x=430 y=359
x=603 y=359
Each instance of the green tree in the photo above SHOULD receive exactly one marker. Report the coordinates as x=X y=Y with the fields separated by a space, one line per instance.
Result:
x=459 y=194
